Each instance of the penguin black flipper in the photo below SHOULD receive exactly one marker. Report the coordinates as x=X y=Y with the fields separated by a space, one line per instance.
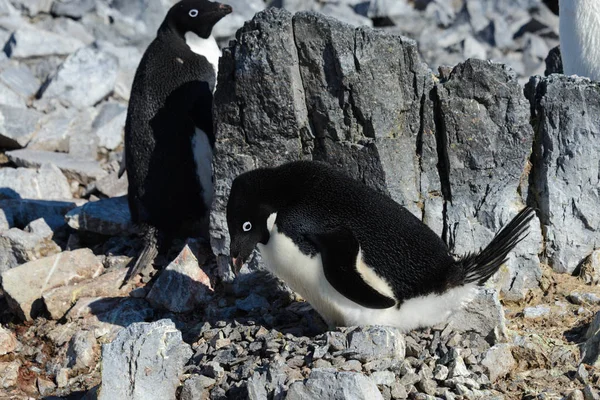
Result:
x=339 y=250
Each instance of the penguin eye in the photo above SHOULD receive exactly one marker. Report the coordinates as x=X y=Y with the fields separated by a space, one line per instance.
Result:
x=193 y=13
x=247 y=226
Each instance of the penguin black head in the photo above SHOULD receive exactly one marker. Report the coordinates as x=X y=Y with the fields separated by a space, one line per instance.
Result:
x=248 y=210
x=197 y=16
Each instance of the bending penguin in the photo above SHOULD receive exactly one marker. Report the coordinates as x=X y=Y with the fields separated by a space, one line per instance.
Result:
x=169 y=135
x=580 y=37
x=354 y=254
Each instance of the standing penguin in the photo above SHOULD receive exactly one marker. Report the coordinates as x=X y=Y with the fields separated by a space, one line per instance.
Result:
x=354 y=254
x=169 y=130
x=580 y=37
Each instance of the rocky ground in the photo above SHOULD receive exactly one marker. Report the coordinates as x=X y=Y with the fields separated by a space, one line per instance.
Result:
x=192 y=332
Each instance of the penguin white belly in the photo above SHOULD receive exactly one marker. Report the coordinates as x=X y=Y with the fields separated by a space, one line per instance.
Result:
x=205 y=47
x=304 y=275
x=203 y=159
x=580 y=37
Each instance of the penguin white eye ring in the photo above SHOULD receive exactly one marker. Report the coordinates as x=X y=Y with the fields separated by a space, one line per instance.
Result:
x=247 y=226
x=193 y=13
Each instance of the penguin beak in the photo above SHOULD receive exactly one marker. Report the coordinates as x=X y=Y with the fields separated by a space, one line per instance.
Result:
x=225 y=9
x=237 y=263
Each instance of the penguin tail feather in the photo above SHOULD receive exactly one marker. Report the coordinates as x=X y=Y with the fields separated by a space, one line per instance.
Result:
x=479 y=267
x=147 y=256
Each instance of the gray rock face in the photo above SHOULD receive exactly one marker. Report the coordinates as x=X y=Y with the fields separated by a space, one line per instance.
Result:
x=566 y=166
x=32 y=42
x=82 y=170
x=25 y=284
x=107 y=217
x=85 y=78
x=17 y=126
x=265 y=104
x=370 y=343
x=145 y=361
x=329 y=385
x=484 y=315
x=183 y=286
x=45 y=183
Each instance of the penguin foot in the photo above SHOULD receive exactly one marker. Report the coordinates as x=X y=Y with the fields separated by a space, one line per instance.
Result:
x=147 y=256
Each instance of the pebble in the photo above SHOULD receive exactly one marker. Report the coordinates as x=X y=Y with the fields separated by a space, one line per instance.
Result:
x=536 y=312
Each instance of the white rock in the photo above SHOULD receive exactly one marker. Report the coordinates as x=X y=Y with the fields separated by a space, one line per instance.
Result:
x=499 y=361
x=84 y=79
x=17 y=126
x=45 y=183
x=8 y=341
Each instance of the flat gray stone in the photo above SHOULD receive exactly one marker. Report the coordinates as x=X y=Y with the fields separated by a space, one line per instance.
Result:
x=21 y=80
x=536 y=312
x=113 y=186
x=19 y=212
x=145 y=361
x=81 y=170
x=85 y=78
x=9 y=97
x=44 y=183
x=58 y=301
x=331 y=385
x=17 y=126
x=484 y=315
x=181 y=287
x=25 y=285
x=370 y=343
x=566 y=179
x=32 y=42
x=106 y=216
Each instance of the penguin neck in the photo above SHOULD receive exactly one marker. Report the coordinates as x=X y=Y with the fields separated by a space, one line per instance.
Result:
x=170 y=31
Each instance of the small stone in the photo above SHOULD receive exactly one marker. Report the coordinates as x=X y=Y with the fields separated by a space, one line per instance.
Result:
x=32 y=42
x=440 y=372
x=409 y=379
x=427 y=386
x=575 y=298
x=591 y=393
x=110 y=124
x=82 y=351
x=536 y=312
x=458 y=368
x=351 y=365
x=196 y=387
x=152 y=355
x=9 y=373
x=62 y=377
x=24 y=285
x=106 y=216
x=85 y=78
x=499 y=361
x=582 y=374
x=383 y=377
x=590 y=269
x=398 y=391
x=18 y=247
x=45 y=386
x=591 y=298
x=367 y=344
x=213 y=370
x=8 y=341
x=182 y=286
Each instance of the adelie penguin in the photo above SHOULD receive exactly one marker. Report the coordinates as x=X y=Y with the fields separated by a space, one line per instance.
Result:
x=354 y=254
x=169 y=135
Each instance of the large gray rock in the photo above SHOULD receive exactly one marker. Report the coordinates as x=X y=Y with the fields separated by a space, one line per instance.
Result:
x=566 y=166
x=82 y=170
x=17 y=126
x=9 y=97
x=44 y=183
x=85 y=78
x=332 y=385
x=129 y=58
x=145 y=361
x=107 y=217
x=499 y=361
x=375 y=342
x=20 y=212
x=270 y=105
x=484 y=315
x=55 y=131
x=20 y=79
x=183 y=286
x=110 y=124
x=486 y=143
x=32 y=42
x=25 y=284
